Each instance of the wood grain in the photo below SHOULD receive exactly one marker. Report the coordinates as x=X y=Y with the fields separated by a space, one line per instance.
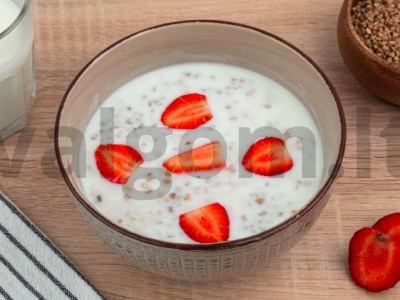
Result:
x=70 y=32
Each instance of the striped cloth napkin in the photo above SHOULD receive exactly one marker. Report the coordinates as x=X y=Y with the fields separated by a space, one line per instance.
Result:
x=31 y=267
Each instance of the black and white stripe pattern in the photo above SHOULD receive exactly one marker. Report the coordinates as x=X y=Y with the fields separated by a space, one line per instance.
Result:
x=31 y=267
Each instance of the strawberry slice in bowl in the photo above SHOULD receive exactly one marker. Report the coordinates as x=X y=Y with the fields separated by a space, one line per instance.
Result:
x=204 y=158
x=117 y=162
x=268 y=157
x=187 y=112
x=208 y=224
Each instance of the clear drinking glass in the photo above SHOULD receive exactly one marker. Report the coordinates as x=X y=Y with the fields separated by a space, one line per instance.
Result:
x=17 y=74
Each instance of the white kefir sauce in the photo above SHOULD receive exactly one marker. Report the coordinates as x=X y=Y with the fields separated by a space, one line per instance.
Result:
x=237 y=98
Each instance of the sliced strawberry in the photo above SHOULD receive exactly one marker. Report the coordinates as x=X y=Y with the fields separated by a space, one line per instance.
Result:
x=116 y=162
x=187 y=112
x=208 y=224
x=374 y=260
x=268 y=157
x=204 y=158
x=389 y=225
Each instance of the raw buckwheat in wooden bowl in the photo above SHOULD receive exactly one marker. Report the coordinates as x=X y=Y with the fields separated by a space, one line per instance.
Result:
x=368 y=35
x=228 y=76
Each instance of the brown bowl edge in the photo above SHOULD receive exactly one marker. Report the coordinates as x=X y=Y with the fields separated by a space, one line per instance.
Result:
x=360 y=44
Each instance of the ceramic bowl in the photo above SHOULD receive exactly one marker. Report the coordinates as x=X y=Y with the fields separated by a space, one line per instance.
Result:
x=206 y=41
x=374 y=73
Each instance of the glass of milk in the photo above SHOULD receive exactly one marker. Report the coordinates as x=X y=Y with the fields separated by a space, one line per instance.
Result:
x=17 y=83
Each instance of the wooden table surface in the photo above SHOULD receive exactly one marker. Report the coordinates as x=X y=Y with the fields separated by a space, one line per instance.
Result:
x=70 y=32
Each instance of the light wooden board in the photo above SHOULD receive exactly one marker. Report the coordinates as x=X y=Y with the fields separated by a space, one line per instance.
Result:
x=70 y=32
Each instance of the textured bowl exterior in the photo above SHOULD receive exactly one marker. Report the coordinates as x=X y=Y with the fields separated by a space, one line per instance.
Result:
x=375 y=74
x=205 y=265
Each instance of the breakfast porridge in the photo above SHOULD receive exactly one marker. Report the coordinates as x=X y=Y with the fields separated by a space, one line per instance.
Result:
x=201 y=153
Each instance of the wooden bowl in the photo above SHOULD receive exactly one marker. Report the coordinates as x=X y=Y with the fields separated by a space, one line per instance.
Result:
x=374 y=73
x=208 y=41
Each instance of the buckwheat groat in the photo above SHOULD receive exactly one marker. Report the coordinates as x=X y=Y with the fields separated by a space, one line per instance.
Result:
x=377 y=22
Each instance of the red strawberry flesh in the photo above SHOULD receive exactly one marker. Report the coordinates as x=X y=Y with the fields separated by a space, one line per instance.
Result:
x=268 y=157
x=374 y=260
x=204 y=158
x=117 y=162
x=187 y=112
x=208 y=224
x=389 y=225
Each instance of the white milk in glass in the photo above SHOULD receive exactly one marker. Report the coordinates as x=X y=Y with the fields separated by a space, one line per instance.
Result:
x=16 y=65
